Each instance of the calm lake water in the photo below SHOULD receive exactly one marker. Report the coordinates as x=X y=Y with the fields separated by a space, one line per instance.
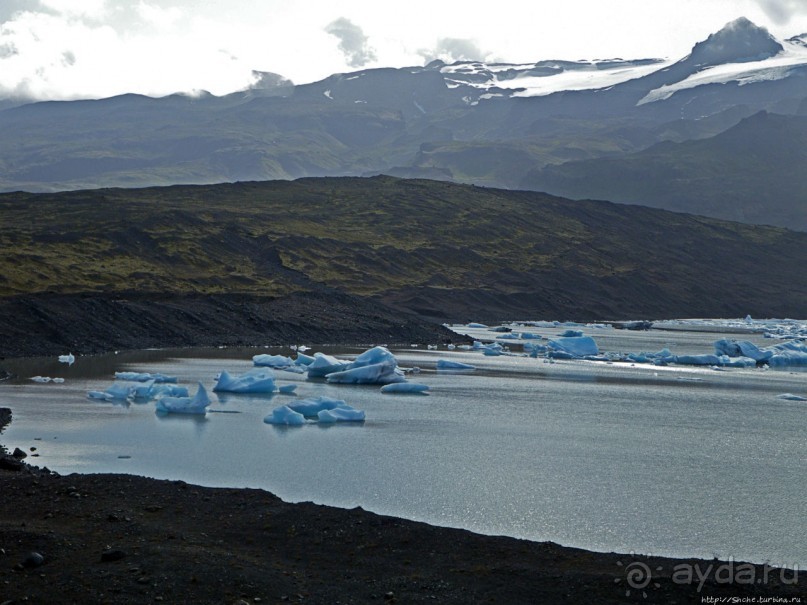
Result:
x=610 y=457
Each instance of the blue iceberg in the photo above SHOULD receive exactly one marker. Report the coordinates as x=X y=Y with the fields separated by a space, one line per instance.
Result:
x=324 y=365
x=184 y=405
x=569 y=347
x=259 y=380
x=342 y=413
x=284 y=415
x=446 y=364
x=312 y=406
x=272 y=361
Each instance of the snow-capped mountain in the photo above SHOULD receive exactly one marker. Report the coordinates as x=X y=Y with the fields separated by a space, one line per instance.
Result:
x=489 y=124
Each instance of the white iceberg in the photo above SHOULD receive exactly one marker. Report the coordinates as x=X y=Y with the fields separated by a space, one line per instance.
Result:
x=258 y=380
x=405 y=387
x=343 y=413
x=69 y=359
x=41 y=379
x=272 y=361
x=284 y=415
x=185 y=405
x=447 y=364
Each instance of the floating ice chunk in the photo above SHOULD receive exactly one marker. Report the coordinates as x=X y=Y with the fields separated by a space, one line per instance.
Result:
x=69 y=359
x=451 y=347
x=792 y=353
x=272 y=361
x=742 y=348
x=99 y=395
x=287 y=389
x=171 y=390
x=258 y=380
x=303 y=360
x=530 y=336
x=475 y=325
x=312 y=406
x=58 y=380
x=791 y=397
x=145 y=377
x=405 y=387
x=294 y=369
x=342 y=413
x=374 y=356
x=492 y=351
x=385 y=372
x=698 y=360
x=120 y=390
x=41 y=379
x=324 y=365
x=185 y=405
x=510 y=336
x=571 y=334
x=286 y=416
x=574 y=346
x=446 y=364
x=143 y=390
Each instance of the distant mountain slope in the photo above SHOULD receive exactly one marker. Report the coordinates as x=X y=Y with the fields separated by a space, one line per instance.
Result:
x=487 y=124
x=441 y=250
x=753 y=172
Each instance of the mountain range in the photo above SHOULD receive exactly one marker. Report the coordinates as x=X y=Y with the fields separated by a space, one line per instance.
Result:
x=719 y=132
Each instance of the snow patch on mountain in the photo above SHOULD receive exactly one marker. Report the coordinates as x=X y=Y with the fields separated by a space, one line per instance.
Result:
x=792 y=57
x=546 y=77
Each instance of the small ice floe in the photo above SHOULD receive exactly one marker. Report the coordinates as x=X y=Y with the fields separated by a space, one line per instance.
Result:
x=791 y=397
x=117 y=391
x=405 y=387
x=69 y=359
x=475 y=325
x=343 y=413
x=184 y=405
x=41 y=379
x=287 y=389
x=451 y=347
x=311 y=406
x=272 y=361
x=573 y=346
x=284 y=415
x=58 y=380
x=446 y=364
x=145 y=377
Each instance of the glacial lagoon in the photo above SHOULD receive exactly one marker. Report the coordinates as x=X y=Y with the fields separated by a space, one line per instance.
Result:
x=609 y=456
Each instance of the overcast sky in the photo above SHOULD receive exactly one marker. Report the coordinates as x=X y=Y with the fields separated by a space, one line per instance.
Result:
x=55 y=49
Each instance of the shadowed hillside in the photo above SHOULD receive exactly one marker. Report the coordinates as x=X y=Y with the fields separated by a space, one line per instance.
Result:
x=439 y=250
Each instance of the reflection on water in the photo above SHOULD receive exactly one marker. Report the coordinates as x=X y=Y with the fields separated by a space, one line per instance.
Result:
x=616 y=457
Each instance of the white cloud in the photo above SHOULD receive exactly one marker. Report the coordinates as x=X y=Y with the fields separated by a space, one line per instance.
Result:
x=90 y=48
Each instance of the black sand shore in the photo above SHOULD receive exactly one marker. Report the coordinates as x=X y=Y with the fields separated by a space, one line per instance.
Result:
x=124 y=539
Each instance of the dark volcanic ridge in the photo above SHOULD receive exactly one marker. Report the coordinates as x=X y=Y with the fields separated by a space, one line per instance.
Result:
x=360 y=260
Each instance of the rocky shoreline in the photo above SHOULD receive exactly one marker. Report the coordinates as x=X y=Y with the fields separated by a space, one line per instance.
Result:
x=121 y=539
x=50 y=324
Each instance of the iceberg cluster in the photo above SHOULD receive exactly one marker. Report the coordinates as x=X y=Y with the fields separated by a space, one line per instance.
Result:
x=144 y=377
x=572 y=344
